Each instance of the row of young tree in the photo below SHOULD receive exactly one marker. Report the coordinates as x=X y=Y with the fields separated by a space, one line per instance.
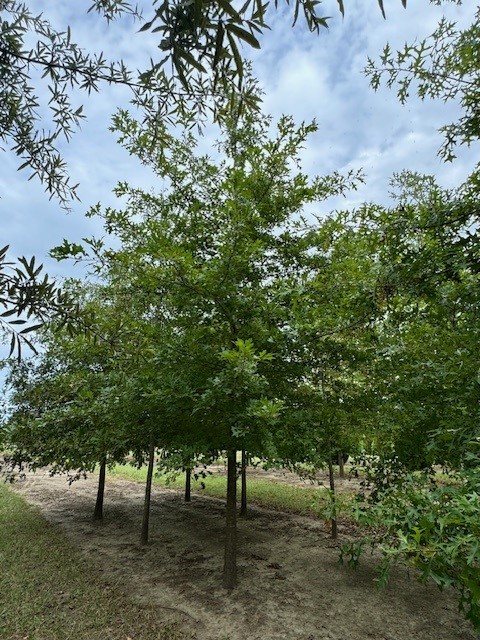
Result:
x=224 y=316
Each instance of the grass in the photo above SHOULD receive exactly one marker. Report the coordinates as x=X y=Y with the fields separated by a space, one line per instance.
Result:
x=264 y=493
x=49 y=592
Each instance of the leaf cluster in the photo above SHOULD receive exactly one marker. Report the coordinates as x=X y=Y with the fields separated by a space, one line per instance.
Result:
x=202 y=40
x=431 y=525
x=43 y=77
x=28 y=298
x=444 y=65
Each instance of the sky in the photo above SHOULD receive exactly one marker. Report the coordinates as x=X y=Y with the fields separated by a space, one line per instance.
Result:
x=304 y=75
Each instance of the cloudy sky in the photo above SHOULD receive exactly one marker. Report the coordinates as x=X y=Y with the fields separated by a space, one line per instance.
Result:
x=302 y=74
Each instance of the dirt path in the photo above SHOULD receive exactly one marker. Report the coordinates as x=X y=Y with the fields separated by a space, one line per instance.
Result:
x=291 y=586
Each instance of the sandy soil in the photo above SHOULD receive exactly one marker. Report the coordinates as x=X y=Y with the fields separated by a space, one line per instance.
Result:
x=291 y=586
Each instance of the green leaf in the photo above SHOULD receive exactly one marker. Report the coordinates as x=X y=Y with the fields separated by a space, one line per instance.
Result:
x=13 y=341
x=186 y=55
x=8 y=313
x=33 y=327
x=229 y=10
x=218 y=44
x=236 y=54
x=243 y=35
x=147 y=25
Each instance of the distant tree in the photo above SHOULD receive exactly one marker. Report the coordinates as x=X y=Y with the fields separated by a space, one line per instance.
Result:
x=428 y=385
x=427 y=253
x=66 y=408
x=430 y=248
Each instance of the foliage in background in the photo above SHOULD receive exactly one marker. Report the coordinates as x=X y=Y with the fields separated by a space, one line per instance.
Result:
x=66 y=405
x=270 y=494
x=427 y=285
x=427 y=384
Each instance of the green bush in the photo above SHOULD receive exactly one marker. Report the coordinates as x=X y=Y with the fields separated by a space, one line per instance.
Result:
x=431 y=525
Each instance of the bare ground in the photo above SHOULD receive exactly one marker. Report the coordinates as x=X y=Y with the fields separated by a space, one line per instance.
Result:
x=291 y=586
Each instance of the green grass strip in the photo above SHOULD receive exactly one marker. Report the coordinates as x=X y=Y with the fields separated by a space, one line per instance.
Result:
x=49 y=592
x=280 y=496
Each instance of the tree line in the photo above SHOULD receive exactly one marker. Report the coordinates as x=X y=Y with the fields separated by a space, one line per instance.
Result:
x=224 y=319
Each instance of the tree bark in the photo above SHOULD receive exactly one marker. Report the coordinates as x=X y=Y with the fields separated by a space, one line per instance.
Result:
x=243 y=500
x=334 y=531
x=230 y=563
x=188 y=484
x=341 y=467
x=148 y=494
x=98 y=511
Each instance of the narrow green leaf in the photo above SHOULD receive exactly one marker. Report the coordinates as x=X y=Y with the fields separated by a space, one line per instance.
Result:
x=33 y=327
x=236 y=54
x=147 y=25
x=229 y=10
x=243 y=35
x=22 y=166
x=180 y=68
x=295 y=15
x=245 y=6
x=12 y=345
x=6 y=314
x=218 y=44
x=197 y=12
x=186 y=55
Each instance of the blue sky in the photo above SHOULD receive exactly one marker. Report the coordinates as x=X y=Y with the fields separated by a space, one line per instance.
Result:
x=302 y=74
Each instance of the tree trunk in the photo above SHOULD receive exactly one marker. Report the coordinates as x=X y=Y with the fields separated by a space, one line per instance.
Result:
x=148 y=494
x=243 y=501
x=230 y=563
x=98 y=512
x=341 y=467
x=334 y=532
x=188 y=484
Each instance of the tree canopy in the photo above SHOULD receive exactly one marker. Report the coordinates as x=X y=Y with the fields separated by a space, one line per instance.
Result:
x=201 y=69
